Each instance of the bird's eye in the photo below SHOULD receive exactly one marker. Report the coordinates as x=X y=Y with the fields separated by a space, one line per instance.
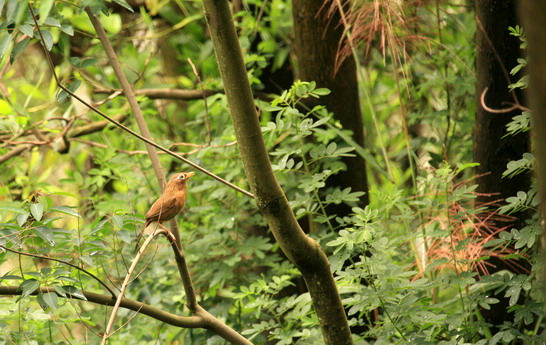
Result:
x=181 y=177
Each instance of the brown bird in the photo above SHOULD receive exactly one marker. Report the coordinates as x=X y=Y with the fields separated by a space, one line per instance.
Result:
x=170 y=203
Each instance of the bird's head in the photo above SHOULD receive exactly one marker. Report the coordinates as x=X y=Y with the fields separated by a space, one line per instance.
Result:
x=179 y=180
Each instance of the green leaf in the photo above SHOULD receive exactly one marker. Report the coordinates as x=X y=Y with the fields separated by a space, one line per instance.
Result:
x=50 y=21
x=22 y=218
x=46 y=234
x=66 y=210
x=11 y=11
x=50 y=299
x=4 y=44
x=124 y=4
x=26 y=29
x=28 y=287
x=37 y=211
x=18 y=48
x=62 y=96
x=74 y=291
x=60 y=291
x=321 y=91
x=45 y=7
x=48 y=39
x=67 y=29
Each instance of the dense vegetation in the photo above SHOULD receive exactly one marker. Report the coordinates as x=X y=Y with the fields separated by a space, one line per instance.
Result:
x=420 y=252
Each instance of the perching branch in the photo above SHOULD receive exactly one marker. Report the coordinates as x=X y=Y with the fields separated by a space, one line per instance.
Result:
x=302 y=250
x=168 y=93
x=125 y=283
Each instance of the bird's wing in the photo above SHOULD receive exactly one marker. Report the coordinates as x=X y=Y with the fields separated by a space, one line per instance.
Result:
x=163 y=209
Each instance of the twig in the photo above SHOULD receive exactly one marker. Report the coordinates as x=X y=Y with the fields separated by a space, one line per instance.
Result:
x=13 y=153
x=64 y=263
x=126 y=283
x=184 y=272
x=168 y=93
x=207 y=122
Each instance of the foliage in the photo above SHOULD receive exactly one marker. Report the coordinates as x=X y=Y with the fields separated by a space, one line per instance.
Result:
x=410 y=266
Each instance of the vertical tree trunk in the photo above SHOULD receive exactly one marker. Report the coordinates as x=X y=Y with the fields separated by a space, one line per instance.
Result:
x=316 y=43
x=497 y=54
x=493 y=152
x=533 y=14
x=302 y=250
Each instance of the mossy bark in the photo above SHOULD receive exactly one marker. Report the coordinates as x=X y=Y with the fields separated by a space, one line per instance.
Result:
x=303 y=251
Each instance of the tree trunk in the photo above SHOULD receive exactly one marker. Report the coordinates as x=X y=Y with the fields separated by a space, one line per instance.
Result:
x=303 y=251
x=533 y=14
x=493 y=152
x=317 y=39
x=497 y=54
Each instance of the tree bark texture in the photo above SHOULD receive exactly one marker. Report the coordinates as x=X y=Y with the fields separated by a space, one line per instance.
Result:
x=497 y=53
x=533 y=15
x=317 y=38
x=491 y=150
x=303 y=251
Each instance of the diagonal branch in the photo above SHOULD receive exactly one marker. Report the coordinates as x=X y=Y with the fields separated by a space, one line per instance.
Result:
x=126 y=283
x=125 y=128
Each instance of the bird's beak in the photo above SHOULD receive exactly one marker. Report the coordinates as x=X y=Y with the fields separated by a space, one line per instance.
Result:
x=189 y=174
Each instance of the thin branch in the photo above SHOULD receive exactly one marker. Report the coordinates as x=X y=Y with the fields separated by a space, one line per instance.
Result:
x=94 y=126
x=158 y=314
x=126 y=283
x=125 y=128
x=207 y=122
x=168 y=93
x=183 y=271
x=64 y=263
x=14 y=153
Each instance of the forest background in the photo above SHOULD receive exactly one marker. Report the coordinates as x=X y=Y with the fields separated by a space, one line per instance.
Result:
x=364 y=171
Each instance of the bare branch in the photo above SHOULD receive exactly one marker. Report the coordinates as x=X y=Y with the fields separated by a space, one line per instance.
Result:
x=126 y=283
x=169 y=93
x=64 y=263
x=14 y=153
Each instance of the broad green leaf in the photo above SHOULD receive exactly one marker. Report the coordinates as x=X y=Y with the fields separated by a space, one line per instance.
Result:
x=11 y=10
x=66 y=210
x=46 y=234
x=67 y=29
x=28 y=287
x=50 y=299
x=18 y=48
x=22 y=218
x=4 y=43
x=26 y=29
x=5 y=108
x=74 y=291
x=48 y=39
x=60 y=291
x=124 y=4
x=37 y=211
x=45 y=7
